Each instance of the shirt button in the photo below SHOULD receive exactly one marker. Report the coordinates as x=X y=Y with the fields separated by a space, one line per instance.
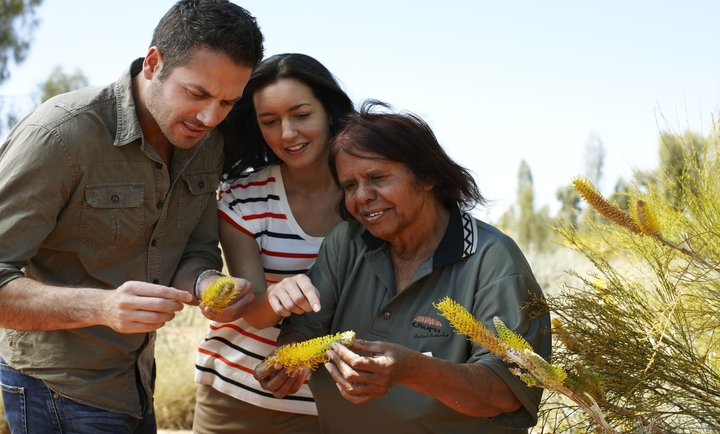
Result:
x=387 y=315
x=158 y=205
x=114 y=198
x=158 y=165
x=153 y=243
x=201 y=184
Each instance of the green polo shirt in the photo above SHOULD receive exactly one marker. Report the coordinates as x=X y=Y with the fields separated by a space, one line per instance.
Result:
x=86 y=202
x=475 y=265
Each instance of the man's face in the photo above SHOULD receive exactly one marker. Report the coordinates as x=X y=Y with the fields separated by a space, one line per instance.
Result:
x=195 y=97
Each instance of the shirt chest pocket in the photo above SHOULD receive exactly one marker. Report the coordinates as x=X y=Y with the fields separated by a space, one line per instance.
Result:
x=112 y=214
x=198 y=189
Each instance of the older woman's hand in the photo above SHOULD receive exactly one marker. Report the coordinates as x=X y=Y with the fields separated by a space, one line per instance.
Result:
x=276 y=380
x=364 y=378
x=294 y=294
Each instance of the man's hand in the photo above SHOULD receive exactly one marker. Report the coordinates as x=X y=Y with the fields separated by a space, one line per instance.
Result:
x=140 y=307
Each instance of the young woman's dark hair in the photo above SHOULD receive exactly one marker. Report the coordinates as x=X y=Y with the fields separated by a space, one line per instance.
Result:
x=407 y=139
x=245 y=146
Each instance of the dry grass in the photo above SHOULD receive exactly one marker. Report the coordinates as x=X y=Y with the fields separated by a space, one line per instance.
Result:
x=175 y=356
x=3 y=423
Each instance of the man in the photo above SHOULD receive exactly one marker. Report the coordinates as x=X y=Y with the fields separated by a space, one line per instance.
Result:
x=108 y=224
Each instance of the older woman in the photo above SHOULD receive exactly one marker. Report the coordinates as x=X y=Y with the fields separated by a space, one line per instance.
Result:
x=407 y=243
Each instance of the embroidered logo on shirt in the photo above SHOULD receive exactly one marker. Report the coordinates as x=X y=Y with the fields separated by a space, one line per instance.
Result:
x=428 y=327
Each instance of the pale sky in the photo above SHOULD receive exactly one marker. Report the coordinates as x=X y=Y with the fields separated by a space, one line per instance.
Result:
x=498 y=81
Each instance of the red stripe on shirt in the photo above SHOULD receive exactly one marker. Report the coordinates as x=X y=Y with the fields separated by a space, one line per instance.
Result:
x=224 y=360
x=265 y=215
x=244 y=332
x=232 y=222
x=288 y=255
x=231 y=364
x=249 y=184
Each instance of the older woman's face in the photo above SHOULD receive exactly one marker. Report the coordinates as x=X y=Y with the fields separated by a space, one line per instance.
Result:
x=383 y=195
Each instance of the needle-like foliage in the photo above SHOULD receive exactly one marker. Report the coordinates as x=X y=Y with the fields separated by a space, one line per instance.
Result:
x=645 y=323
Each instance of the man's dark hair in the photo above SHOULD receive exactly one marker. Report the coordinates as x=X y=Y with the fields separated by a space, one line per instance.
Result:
x=245 y=146
x=218 y=25
x=407 y=139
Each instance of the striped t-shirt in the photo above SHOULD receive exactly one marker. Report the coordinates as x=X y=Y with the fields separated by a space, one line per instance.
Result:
x=256 y=204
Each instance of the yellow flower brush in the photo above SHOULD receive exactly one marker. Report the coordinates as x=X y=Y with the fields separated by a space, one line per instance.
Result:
x=310 y=353
x=220 y=293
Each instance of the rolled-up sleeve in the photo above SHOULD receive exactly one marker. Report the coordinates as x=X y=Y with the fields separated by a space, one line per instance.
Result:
x=36 y=180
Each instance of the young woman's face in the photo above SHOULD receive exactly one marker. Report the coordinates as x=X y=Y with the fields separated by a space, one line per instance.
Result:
x=293 y=122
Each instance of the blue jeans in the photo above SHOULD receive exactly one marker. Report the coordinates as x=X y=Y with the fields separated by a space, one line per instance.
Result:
x=33 y=408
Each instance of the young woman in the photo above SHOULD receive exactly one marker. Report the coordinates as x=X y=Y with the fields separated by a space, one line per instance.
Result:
x=272 y=221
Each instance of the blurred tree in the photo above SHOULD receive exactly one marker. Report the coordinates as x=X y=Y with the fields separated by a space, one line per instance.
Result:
x=620 y=195
x=58 y=82
x=570 y=205
x=594 y=158
x=679 y=156
x=17 y=22
x=532 y=229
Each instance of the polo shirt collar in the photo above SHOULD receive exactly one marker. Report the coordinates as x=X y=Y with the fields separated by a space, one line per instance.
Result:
x=460 y=239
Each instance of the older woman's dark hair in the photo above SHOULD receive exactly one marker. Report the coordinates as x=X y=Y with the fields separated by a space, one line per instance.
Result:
x=407 y=139
x=245 y=146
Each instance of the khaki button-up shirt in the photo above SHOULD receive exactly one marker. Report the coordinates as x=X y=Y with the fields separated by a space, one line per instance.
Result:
x=85 y=201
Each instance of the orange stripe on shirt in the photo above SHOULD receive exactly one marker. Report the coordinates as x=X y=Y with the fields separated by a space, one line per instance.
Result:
x=288 y=255
x=244 y=332
x=232 y=222
x=224 y=360
x=264 y=215
x=249 y=184
x=231 y=364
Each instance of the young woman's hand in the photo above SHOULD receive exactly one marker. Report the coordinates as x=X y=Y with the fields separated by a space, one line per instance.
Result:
x=294 y=294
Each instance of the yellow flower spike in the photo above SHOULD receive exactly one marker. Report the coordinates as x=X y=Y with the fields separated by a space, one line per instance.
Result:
x=646 y=219
x=609 y=210
x=582 y=381
x=529 y=380
x=549 y=374
x=465 y=323
x=310 y=353
x=511 y=339
x=220 y=293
